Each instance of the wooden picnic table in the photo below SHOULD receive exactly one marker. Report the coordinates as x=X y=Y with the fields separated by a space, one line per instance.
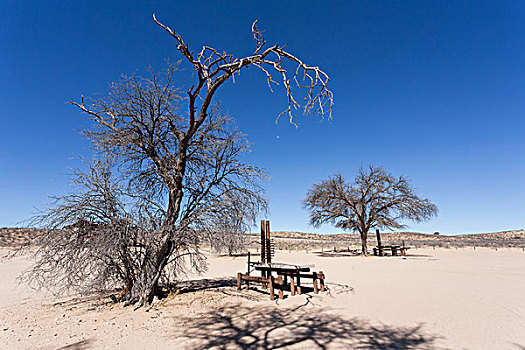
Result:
x=283 y=271
x=266 y=267
x=394 y=249
x=296 y=272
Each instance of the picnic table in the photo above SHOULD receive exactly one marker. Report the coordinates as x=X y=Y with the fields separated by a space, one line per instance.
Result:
x=283 y=271
x=294 y=272
x=395 y=250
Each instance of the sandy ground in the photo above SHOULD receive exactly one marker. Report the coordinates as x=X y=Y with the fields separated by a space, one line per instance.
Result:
x=434 y=299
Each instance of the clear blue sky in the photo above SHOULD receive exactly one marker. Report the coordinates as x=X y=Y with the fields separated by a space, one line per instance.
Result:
x=433 y=90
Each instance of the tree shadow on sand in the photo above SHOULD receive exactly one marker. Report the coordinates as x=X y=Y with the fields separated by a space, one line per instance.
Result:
x=196 y=285
x=331 y=254
x=189 y=286
x=80 y=345
x=241 y=327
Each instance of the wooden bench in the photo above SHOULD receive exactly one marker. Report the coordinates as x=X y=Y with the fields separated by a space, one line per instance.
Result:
x=314 y=276
x=394 y=250
x=271 y=282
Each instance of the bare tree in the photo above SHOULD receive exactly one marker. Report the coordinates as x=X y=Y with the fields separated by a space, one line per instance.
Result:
x=180 y=168
x=374 y=199
x=118 y=227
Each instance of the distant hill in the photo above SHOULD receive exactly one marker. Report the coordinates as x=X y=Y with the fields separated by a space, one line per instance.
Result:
x=10 y=237
x=515 y=238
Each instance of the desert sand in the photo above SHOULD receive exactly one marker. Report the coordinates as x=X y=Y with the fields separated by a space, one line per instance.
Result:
x=435 y=298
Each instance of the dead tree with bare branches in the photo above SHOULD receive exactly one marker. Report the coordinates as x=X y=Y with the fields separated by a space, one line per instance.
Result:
x=180 y=164
x=375 y=199
x=134 y=221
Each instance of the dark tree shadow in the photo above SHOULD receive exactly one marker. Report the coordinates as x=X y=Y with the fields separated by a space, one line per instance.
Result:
x=93 y=300
x=235 y=255
x=189 y=286
x=337 y=253
x=331 y=254
x=415 y=255
x=80 y=345
x=196 y=285
x=242 y=327
x=218 y=284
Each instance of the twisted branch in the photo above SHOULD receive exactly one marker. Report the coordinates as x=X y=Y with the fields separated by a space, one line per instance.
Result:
x=215 y=67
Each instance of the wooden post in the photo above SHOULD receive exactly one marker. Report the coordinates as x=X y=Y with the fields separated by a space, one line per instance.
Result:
x=298 y=284
x=292 y=286
x=248 y=271
x=263 y=250
x=281 y=286
x=263 y=242
x=263 y=275
x=378 y=238
x=321 y=280
x=239 y=281
x=316 y=290
x=268 y=244
x=272 y=296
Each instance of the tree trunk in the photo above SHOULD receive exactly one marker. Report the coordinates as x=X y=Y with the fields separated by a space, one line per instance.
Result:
x=364 y=248
x=141 y=292
x=145 y=286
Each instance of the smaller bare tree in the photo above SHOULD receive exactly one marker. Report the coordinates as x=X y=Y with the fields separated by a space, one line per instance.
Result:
x=375 y=199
